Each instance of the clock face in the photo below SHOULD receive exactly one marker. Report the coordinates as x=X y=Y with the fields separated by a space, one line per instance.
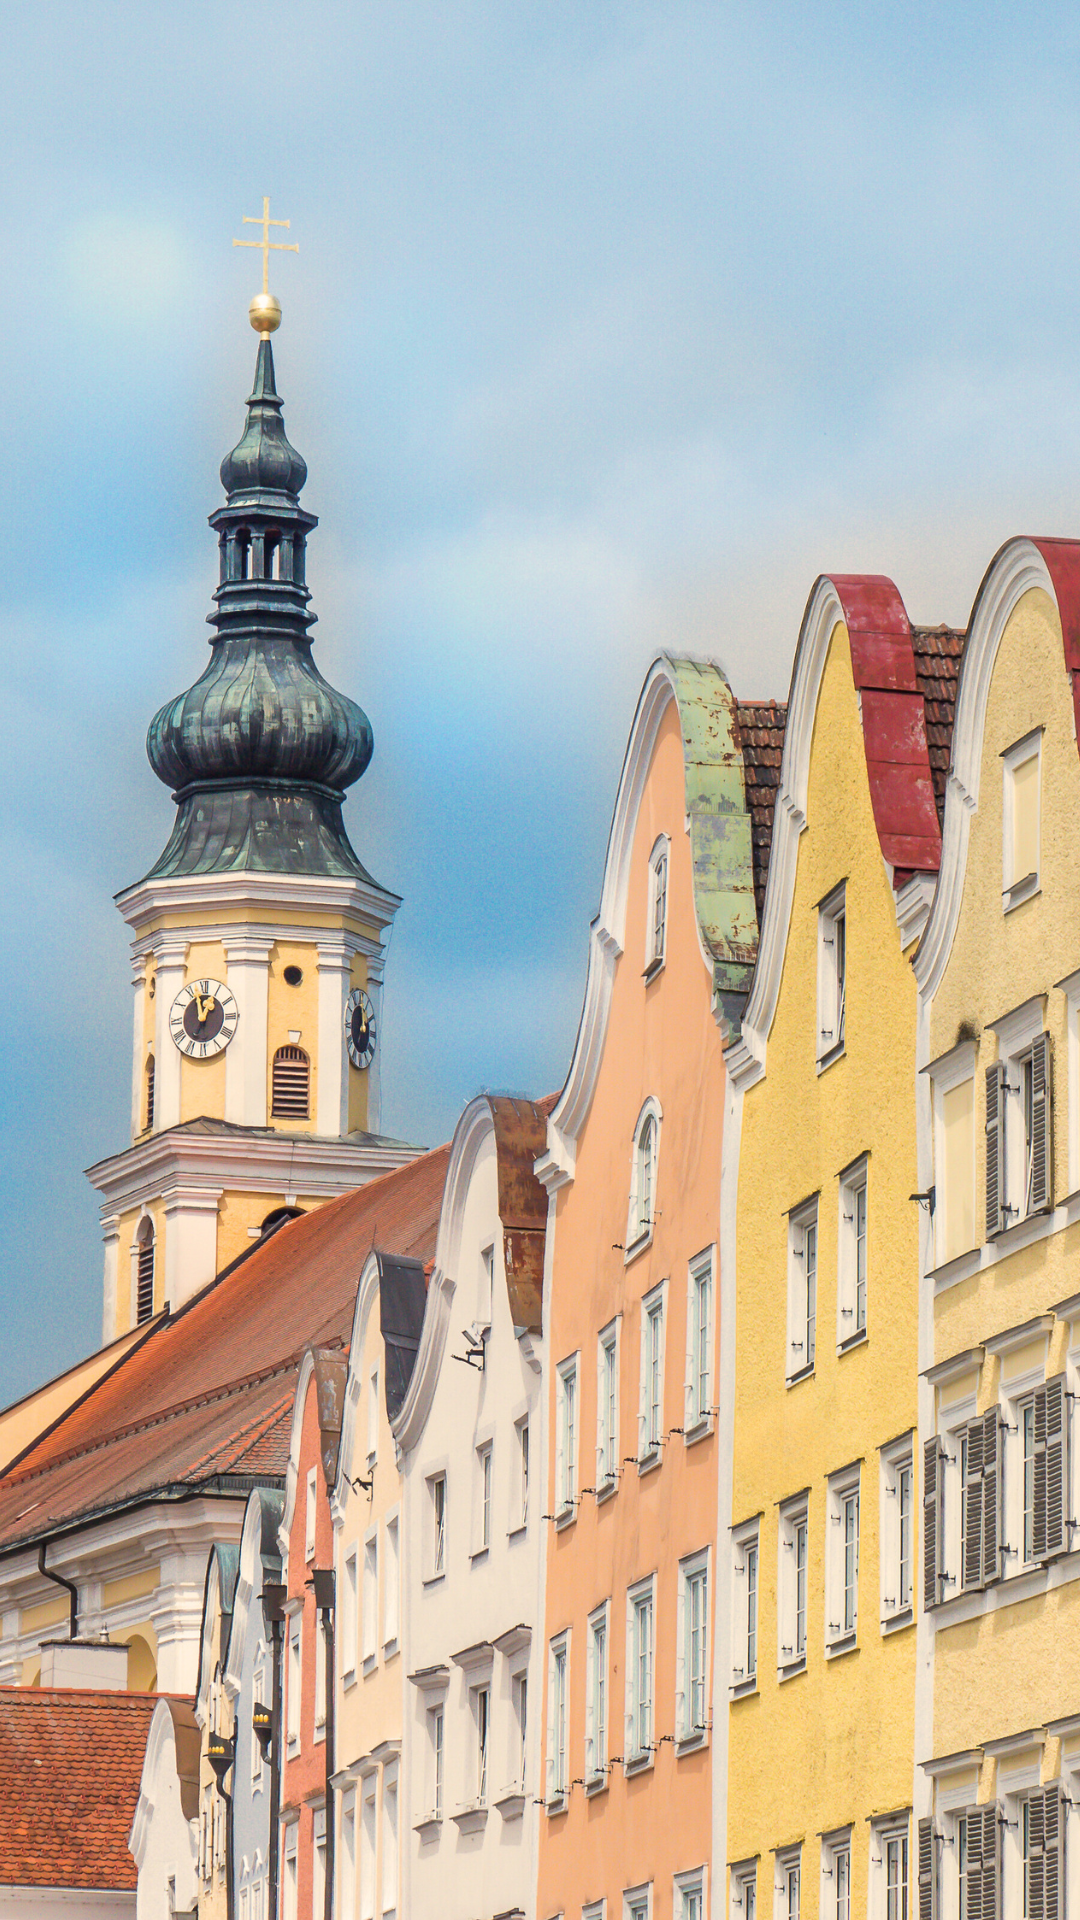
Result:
x=360 y=1028
x=202 y=1018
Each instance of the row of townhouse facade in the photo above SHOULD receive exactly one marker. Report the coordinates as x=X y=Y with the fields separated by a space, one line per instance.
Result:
x=694 y=1531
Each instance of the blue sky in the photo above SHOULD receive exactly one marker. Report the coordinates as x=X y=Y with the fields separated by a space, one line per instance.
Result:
x=612 y=326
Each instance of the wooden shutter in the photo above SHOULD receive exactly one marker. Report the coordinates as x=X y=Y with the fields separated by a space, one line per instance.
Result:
x=291 y=1078
x=933 y=1532
x=971 y=1572
x=144 y=1289
x=927 y=1872
x=995 y=1149
x=983 y=1875
x=1049 y=1518
x=991 y=1496
x=1053 y=1876
x=1042 y=1158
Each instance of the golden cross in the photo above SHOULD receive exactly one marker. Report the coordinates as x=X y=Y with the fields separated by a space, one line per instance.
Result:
x=266 y=245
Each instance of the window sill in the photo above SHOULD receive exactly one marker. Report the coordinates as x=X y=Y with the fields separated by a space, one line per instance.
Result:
x=1021 y=890
x=647 y=1461
x=847 y=1643
x=654 y=967
x=825 y=1060
x=606 y=1488
x=853 y=1340
x=792 y=1669
x=700 y=1430
x=390 y=1648
x=894 y=1622
x=742 y=1689
x=640 y=1763
x=432 y=1579
x=429 y=1828
x=565 y=1517
x=348 y=1679
x=470 y=1819
x=596 y=1783
x=481 y=1553
x=638 y=1246
x=691 y=1742
x=371 y=1661
x=511 y=1804
x=804 y=1373
x=960 y=1267
x=518 y=1533
x=558 y=1805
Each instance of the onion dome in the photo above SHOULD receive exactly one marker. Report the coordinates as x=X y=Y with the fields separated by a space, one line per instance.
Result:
x=260 y=750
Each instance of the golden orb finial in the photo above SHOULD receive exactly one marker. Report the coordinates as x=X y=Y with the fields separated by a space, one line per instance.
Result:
x=265 y=314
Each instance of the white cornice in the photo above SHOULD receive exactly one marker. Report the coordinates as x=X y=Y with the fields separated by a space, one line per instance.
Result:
x=166 y=1164
x=229 y=892
x=475 y=1126
x=1015 y=571
x=746 y=1061
x=259 y=934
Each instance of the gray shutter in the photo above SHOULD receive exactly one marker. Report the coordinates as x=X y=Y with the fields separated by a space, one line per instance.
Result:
x=932 y=1532
x=972 y=1570
x=990 y=1864
x=1042 y=1158
x=1048 y=1516
x=995 y=1148
x=927 y=1872
x=1053 y=1875
x=1036 y=1861
x=991 y=1496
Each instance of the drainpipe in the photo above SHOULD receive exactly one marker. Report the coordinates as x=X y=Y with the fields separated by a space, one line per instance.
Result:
x=73 y=1591
x=273 y=1603
x=324 y=1600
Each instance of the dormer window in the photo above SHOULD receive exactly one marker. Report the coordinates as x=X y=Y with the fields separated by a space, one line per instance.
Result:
x=643 y=1177
x=1020 y=821
x=656 y=934
x=832 y=975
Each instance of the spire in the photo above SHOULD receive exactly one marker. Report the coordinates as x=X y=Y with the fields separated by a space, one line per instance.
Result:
x=260 y=750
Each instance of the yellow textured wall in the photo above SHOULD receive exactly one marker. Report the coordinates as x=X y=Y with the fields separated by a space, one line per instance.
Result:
x=237 y=1212
x=835 y=1743
x=1019 y=1665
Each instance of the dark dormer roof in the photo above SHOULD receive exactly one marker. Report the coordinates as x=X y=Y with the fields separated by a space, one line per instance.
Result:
x=402 y=1292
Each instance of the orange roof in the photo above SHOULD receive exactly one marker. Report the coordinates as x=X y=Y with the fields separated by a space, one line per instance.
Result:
x=70 y=1767
x=206 y=1400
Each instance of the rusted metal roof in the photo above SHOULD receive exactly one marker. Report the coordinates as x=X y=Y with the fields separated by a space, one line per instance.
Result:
x=720 y=828
x=331 y=1370
x=893 y=722
x=759 y=732
x=520 y=1138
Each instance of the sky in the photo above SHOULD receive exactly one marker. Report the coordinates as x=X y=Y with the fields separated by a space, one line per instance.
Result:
x=612 y=326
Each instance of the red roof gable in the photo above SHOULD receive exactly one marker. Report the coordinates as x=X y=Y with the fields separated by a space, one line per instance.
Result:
x=70 y=1768
x=209 y=1396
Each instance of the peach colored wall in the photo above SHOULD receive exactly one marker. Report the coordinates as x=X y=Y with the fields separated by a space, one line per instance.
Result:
x=305 y=1772
x=661 y=1040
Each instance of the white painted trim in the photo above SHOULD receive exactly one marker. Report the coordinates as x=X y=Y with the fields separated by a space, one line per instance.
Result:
x=146 y=900
x=303 y=1381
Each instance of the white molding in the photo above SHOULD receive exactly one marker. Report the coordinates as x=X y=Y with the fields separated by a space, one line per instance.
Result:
x=303 y=1382
x=367 y=1296
x=143 y=902
x=266 y=1162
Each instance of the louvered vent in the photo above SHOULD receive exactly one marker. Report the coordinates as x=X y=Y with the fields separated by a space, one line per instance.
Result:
x=292 y=1078
x=144 y=1288
x=150 y=1091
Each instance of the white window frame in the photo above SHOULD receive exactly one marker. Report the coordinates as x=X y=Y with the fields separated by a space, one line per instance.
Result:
x=746 y=1589
x=836 y=1875
x=391 y=1632
x=637 y=1902
x=790 y=1656
x=742 y=1888
x=1016 y=1392
x=480 y=1705
x=640 y=1675
x=658 y=902
x=842 y=1508
x=347 y=1866
x=644 y=1169
x=651 y=1425
x=320 y=1676
x=289 y=1852
x=687 y=1888
x=1018 y=887
x=370 y=1607
x=1017 y=1033
x=373 y=1416
x=884 y=1832
x=389 y=1844
x=852 y=1249
x=598 y=1697
x=787 y=1884
x=567 y=1436
x=946 y=1074
x=519 y=1513
x=897 y=1530
x=700 y=1345
x=519 y=1757
x=558 y=1743
x=804 y=1246
x=829 y=1040
x=436 y=1762
x=487 y=1289
x=294 y=1691
x=436 y=1523
x=349 y=1625
x=607 y=1408
x=309 y=1515
x=318 y=1859
x=485 y=1489
x=594 y=1910
x=695 y=1578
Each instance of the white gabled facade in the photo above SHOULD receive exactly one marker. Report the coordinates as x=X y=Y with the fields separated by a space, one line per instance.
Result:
x=165 y=1832
x=470 y=1440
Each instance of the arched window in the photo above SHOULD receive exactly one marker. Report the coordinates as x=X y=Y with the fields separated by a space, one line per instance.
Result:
x=643 y=1175
x=144 y=1271
x=150 y=1091
x=278 y=1216
x=291 y=1084
x=656 y=930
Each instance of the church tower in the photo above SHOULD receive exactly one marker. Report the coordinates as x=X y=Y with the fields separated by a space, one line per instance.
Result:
x=258 y=937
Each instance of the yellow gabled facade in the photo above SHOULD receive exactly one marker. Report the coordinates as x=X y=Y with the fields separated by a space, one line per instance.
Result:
x=998 y=1727
x=820 y=1167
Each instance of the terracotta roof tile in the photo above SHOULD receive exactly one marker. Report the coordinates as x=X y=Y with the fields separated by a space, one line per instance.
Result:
x=70 y=1767
x=938 y=653
x=210 y=1393
x=759 y=732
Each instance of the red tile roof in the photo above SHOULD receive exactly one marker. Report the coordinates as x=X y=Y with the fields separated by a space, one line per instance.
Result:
x=208 y=1398
x=70 y=1767
x=759 y=733
x=938 y=652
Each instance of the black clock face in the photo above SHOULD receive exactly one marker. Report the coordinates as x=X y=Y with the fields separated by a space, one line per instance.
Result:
x=360 y=1028
x=203 y=1018
x=209 y=1026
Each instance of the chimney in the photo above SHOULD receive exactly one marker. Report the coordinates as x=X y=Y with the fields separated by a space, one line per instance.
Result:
x=84 y=1663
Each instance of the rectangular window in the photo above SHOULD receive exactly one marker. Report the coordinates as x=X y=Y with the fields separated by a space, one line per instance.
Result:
x=658 y=890
x=692 y=1651
x=258 y=1690
x=895 y=1850
x=802 y=1290
x=437 y=1497
x=832 y=976
x=483 y=1495
x=792 y=1575
x=744 y=1892
x=699 y=1321
x=309 y=1517
x=348 y=1858
x=521 y=1507
x=371 y=1600
x=373 y=1417
x=482 y=1713
x=651 y=1419
x=521 y=1721
x=566 y=1437
x=320 y=1678
x=392 y=1584
x=640 y=1643
x=1020 y=839
x=596 y=1702
x=904 y=1496
x=607 y=1408
x=953 y=1097
x=348 y=1625
x=896 y=1531
x=689 y=1896
x=1026 y=1423
x=842 y=1883
x=435 y=1760
x=637 y=1903
x=368 y=1840
x=557 y=1777
x=788 y=1885
x=842 y=1561
x=851 y=1274
x=389 y=1858
x=1019 y=1113
x=292 y=1721
x=290 y=1889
